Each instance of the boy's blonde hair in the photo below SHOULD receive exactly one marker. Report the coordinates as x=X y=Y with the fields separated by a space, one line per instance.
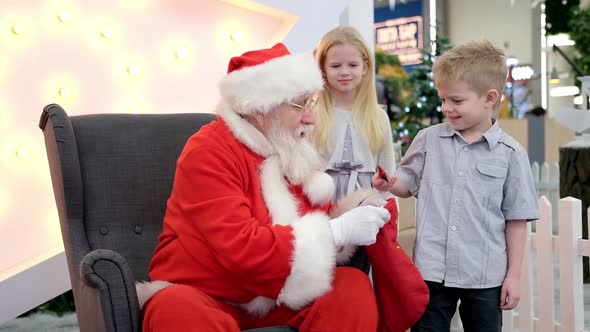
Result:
x=479 y=63
x=365 y=108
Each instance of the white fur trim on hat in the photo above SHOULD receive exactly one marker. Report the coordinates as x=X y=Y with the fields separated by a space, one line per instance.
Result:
x=319 y=187
x=260 y=88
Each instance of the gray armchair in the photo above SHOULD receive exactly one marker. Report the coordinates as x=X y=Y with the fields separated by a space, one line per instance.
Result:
x=111 y=176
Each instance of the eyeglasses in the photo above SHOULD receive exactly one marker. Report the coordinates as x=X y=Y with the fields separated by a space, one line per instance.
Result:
x=309 y=104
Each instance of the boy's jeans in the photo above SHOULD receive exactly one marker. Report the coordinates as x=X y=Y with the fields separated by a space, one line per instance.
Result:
x=479 y=309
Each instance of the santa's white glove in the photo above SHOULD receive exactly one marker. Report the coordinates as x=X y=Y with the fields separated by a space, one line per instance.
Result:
x=377 y=199
x=359 y=226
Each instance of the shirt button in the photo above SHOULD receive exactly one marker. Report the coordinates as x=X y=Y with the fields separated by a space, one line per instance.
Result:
x=461 y=173
x=457 y=201
x=465 y=149
x=453 y=228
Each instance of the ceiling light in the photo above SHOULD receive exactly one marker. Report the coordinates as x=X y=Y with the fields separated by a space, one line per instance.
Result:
x=563 y=91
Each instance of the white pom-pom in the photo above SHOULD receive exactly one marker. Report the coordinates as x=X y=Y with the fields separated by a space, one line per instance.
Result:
x=319 y=187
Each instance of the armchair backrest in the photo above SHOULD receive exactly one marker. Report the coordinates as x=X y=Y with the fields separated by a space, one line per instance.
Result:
x=112 y=175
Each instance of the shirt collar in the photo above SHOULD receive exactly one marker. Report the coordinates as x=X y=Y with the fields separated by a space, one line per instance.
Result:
x=492 y=135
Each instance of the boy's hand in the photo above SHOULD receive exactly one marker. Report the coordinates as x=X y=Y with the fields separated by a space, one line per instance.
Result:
x=381 y=172
x=510 y=294
x=381 y=183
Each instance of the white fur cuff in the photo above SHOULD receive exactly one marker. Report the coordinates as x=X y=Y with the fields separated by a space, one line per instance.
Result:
x=314 y=259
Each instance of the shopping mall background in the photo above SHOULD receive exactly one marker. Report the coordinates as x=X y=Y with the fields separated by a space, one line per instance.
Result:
x=165 y=56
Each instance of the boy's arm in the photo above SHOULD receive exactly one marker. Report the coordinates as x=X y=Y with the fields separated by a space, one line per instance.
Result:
x=515 y=242
x=406 y=181
x=519 y=205
x=393 y=185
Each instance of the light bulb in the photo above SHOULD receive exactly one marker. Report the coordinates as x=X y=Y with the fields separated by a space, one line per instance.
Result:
x=135 y=110
x=64 y=16
x=181 y=54
x=106 y=32
x=65 y=92
x=22 y=152
x=134 y=69
x=18 y=28
x=237 y=36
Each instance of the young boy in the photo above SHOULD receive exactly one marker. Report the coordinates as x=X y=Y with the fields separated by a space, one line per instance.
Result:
x=475 y=194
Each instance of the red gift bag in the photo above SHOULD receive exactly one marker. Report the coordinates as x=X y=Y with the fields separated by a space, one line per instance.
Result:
x=402 y=294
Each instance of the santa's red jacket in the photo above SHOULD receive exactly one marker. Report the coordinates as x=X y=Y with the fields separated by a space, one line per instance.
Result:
x=238 y=231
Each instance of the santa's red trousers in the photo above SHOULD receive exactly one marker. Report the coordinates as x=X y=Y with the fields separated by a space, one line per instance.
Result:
x=350 y=306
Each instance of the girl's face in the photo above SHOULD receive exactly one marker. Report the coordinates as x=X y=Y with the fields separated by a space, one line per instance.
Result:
x=344 y=68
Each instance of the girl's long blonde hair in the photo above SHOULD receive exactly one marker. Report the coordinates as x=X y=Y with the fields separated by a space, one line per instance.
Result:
x=365 y=110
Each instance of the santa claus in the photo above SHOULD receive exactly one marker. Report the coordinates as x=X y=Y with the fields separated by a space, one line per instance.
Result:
x=251 y=238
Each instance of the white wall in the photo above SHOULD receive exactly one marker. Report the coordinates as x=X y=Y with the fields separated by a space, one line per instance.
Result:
x=51 y=52
x=509 y=27
x=315 y=18
x=360 y=14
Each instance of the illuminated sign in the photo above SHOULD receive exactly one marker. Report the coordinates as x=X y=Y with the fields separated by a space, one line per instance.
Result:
x=403 y=37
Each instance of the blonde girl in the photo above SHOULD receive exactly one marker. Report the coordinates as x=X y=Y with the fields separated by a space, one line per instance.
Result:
x=352 y=132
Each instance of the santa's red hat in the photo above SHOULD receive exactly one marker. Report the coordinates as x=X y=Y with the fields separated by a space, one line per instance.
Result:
x=258 y=81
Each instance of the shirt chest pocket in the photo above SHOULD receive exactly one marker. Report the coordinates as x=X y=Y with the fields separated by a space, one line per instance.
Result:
x=489 y=176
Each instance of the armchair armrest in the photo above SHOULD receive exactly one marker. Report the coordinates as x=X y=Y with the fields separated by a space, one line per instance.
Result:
x=109 y=298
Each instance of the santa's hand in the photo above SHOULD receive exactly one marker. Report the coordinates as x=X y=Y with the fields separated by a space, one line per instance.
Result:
x=377 y=199
x=359 y=226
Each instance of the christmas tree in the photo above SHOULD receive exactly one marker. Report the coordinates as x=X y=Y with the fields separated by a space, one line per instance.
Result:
x=421 y=108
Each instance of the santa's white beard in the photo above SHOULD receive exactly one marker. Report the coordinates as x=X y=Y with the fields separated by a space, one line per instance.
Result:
x=296 y=154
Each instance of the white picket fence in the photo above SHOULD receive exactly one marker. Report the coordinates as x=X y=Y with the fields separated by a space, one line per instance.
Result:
x=546 y=179
x=552 y=272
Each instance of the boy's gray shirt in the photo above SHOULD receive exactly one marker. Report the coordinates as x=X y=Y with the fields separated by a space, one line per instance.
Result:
x=465 y=193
